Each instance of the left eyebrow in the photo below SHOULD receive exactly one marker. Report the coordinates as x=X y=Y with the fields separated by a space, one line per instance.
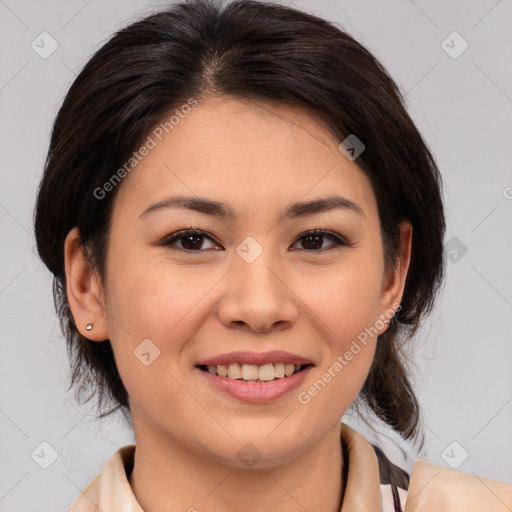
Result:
x=325 y=204
x=221 y=210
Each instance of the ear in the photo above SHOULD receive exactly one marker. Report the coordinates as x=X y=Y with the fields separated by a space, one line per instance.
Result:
x=394 y=279
x=84 y=290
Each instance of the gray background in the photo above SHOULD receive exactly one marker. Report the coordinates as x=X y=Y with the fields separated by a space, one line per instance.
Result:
x=462 y=106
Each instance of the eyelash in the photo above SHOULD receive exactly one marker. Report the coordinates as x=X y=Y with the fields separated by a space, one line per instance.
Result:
x=339 y=242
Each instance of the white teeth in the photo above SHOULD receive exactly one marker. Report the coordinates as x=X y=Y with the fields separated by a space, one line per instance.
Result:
x=279 y=369
x=249 y=371
x=234 y=371
x=266 y=372
x=289 y=369
x=253 y=372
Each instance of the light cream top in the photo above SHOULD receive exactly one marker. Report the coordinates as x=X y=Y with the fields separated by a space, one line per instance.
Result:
x=432 y=488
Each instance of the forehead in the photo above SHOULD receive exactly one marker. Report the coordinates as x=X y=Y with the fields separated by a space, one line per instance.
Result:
x=244 y=151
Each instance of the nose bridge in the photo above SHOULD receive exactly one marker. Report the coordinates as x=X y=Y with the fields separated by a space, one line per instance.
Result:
x=256 y=292
x=256 y=266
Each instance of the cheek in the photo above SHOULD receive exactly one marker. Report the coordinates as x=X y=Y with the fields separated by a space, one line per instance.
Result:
x=163 y=305
x=154 y=300
x=345 y=309
x=346 y=299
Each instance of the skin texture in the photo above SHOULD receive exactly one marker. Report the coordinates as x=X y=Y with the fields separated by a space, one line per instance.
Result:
x=257 y=159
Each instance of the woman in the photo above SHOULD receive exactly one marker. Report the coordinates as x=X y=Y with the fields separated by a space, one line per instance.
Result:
x=244 y=226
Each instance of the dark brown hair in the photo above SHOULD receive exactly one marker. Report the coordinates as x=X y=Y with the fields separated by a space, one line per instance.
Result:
x=249 y=50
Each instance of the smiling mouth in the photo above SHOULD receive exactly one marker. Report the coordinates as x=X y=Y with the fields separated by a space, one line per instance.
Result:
x=254 y=373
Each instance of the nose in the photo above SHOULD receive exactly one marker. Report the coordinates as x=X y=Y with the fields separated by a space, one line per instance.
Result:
x=257 y=296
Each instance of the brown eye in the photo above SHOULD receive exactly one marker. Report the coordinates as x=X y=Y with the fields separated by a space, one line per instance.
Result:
x=314 y=240
x=190 y=240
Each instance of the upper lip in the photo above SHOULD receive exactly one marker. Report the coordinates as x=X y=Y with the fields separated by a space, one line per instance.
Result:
x=257 y=358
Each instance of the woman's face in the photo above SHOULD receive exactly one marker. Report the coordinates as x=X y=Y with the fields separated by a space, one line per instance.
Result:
x=254 y=281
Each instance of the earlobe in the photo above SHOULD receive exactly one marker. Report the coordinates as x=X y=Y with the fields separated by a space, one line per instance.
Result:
x=393 y=288
x=84 y=290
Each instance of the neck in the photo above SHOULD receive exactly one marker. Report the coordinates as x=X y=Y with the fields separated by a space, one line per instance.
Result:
x=166 y=477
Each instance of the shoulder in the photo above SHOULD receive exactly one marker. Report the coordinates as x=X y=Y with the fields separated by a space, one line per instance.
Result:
x=110 y=490
x=437 y=488
x=87 y=501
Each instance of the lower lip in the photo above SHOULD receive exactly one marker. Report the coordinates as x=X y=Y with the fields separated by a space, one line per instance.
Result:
x=255 y=391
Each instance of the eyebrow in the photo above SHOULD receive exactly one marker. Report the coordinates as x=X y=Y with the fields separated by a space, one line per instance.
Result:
x=223 y=211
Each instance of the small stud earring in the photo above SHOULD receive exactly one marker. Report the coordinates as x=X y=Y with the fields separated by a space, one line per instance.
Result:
x=89 y=327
